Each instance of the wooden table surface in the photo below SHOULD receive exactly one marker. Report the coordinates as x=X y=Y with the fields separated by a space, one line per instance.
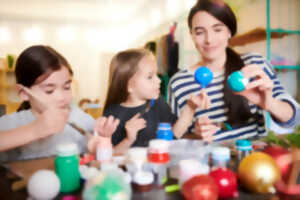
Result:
x=23 y=169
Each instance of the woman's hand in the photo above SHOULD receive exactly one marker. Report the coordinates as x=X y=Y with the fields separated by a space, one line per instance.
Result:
x=200 y=101
x=205 y=128
x=133 y=126
x=106 y=126
x=258 y=91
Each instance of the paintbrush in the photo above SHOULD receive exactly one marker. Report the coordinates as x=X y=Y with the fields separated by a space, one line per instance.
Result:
x=149 y=104
x=42 y=106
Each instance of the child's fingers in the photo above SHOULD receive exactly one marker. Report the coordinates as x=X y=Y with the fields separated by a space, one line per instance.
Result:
x=106 y=125
x=207 y=101
x=137 y=115
x=116 y=123
x=100 y=122
x=205 y=128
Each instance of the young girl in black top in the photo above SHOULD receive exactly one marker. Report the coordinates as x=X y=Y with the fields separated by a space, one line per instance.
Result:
x=134 y=83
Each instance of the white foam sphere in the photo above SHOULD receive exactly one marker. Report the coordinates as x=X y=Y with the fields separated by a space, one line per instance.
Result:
x=43 y=185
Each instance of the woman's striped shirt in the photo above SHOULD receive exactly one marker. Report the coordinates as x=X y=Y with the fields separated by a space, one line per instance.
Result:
x=183 y=84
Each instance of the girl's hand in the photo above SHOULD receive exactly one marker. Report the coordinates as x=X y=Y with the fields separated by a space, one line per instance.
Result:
x=200 y=101
x=94 y=141
x=106 y=126
x=259 y=91
x=51 y=121
x=205 y=128
x=133 y=126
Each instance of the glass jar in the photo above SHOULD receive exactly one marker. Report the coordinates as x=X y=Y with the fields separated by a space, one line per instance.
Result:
x=244 y=148
x=220 y=157
x=158 y=151
x=158 y=158
x=104 y=150
x=164 y=131
x=67 y=167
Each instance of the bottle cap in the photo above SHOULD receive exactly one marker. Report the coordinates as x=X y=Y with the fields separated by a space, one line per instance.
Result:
x=67 y=149
x=164 y=126
x=164 y=131
x=244 y=145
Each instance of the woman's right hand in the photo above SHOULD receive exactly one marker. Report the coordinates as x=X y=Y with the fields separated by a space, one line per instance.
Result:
x=133 y=126
x=51 y=121
x=205 y=128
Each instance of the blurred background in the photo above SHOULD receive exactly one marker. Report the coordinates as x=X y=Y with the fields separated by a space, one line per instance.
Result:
x=89 y=32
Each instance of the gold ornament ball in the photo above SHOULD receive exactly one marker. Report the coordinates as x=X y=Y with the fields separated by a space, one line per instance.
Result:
x=258 y=172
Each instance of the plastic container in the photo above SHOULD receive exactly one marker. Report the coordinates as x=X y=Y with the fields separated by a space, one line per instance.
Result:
x=220 y=156
x=158 y=151
x=104 y=150
x=189 y=168
x=158 y=157
x=67 y=167
x=164 y=131
x=183 y=149
x=244 y=148
x=136 y=158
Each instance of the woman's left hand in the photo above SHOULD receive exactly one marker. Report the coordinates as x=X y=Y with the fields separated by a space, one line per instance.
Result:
x=258 y=91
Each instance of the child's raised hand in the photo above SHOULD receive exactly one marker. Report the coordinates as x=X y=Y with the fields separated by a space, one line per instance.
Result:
x=200 y=101
x=205 y=128
x=133 y=126
x=52 y=120
x=106 y=126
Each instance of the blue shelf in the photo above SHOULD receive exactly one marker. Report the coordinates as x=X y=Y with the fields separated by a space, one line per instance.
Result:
x=280 y=30
x=287 y=67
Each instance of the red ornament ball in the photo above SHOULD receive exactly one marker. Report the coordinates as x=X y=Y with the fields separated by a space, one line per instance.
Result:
x=226 y=181
x=200 y=187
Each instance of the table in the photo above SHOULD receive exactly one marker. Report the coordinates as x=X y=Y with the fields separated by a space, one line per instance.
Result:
x=6 y=181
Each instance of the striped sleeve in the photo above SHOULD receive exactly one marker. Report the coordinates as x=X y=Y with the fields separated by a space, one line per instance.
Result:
x=278 y=90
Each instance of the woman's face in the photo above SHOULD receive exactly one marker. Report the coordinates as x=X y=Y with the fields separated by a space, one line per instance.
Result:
x=55 y=90
x=145 y=84
x=210 y=35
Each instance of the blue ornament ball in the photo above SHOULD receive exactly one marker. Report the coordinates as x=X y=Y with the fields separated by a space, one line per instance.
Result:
x=237 y=81
x=203 y=76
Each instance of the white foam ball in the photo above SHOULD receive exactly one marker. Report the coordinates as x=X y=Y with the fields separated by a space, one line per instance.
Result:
x=43 y=185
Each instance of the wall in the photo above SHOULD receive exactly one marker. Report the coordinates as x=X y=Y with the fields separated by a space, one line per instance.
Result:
x=88 y=33
x=252 y=14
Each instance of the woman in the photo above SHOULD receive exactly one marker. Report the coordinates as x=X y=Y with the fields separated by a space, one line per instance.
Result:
x=212 y=24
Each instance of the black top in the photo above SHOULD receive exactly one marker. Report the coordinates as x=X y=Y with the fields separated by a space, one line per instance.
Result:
x=159 y=112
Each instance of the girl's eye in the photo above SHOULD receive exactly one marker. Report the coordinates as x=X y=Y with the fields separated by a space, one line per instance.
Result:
x=67 y=87
x=199 y=33
x=218 y=30
x=49 y=92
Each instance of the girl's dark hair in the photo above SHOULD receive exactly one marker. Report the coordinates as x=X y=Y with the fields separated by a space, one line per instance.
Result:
x=122 y=67
x=35 y=64
x=238 y=108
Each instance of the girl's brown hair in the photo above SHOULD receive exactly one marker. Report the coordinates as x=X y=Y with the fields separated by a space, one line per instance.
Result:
x=122 y=67
x=35 y=64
